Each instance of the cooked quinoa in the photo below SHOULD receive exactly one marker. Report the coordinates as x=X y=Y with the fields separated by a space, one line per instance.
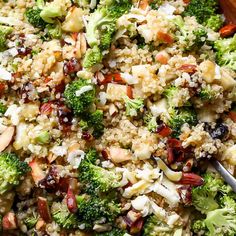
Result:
x=110 y=114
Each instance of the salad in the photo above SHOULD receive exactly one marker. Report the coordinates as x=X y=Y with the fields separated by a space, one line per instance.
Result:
x=111 y=112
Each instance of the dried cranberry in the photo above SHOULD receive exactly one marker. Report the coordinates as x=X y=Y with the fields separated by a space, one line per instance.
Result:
x=59 y=88
x=71 y=67
x=65 y=115
x=86 y=135
x=51 y=180
x=24 y=51
x=164 y=130
x=28 y=92
x=219 y=132
x=105 y=154
x=185 y=193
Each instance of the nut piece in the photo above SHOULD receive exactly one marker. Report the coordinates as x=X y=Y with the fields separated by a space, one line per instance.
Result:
x=118 y=155
x=43 y=209
x=6 y=138
x=36 y=172
x=9 y=221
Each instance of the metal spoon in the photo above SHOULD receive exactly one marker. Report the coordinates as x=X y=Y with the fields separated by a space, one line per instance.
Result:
x=229 y=179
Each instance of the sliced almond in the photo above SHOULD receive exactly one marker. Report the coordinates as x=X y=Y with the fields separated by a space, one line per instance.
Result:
x=43 y=209
x=118 y=155
x=36 y=172
x=9 y=221
x=6 y=138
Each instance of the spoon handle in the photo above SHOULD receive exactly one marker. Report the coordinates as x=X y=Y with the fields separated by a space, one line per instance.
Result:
x=224 y=173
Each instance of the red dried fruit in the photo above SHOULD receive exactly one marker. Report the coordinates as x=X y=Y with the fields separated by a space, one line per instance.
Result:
x=232 y=116
x=188 y=68
x=129 y=92
x=112 y=78
x=137 y=226
x=228 y=30
x=71 y=67
x=164 y=130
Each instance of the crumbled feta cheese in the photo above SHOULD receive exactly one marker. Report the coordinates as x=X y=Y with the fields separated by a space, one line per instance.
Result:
x=13 y=112
x=168 y=10
x=142 y=204
x=83 y=90
x=59 y=150
x=4 y=74
x=159 y=108
x=75 y=157
x=128 y=78
x=102 y=98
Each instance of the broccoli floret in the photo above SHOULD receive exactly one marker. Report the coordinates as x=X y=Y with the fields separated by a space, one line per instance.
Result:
x=79 y=95
x=101 y=28
x=43 y=138
x=54 y=30
x=203 y=197
x=11 y=171
x=53 y=10
x=171 y=93
x=158 y=227
x=151 y=122
x=4 y=32
x=155 y=4
x=202 y=10
x=217 y=200
x=63 y=217
x=194 y=39
x=34 y=18
x=31 y=221
x=226 y=52
x=3 y=109
x=133 y=106
x=92 y=57
x=215 y=22
x=96 y=178
x=113 y=232
x=93 y=121
x=91 y=209
x=207 y=94
x=181 y=116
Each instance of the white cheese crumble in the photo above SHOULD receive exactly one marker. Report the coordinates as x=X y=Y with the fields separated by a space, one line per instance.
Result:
x=59 y=150
x=83 y=90
x=13 y=112
x=4 y=74
x=75 y=157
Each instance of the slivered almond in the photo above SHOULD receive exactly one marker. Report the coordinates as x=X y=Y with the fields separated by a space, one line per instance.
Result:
x=6 y=138
x=43 y=209
x=9 y=221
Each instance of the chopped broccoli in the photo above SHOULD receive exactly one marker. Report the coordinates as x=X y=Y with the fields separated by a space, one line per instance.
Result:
x=203 y=197
x=34 y=18
x=31 y=221
x=215 y=22
x=11 y=171
x=92 y=57
x=96 y=178
x=202 y=10
x=63 y=217
x=158 y=227
x=53 y=10
x=226 y=52
x=155 y=4
x=79 y=95
x=4 y=32
x=54 y=30
x=207 y=94
x=133 y=105
x=91 y=209
x=151 y=122
x=3 y=109
x=170 y=93
x=113 y=232
x=217 y=200
x=181 y=116
x=96 y=122
x=194 y=39
x=101 y=28
x=43 y=138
